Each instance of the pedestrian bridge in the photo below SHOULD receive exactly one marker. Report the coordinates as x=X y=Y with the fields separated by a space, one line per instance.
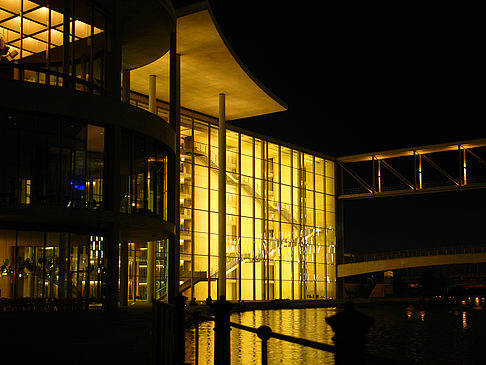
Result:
x=364 y=264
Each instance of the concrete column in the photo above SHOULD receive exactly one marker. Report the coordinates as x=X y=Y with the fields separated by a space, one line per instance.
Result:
x=111 y=188
x=126 y=86
x=110 y=264
x=222 y=197
x=152 y=100
x=65 y=42
x=339 y=246
x=173 y=203
x=113 y=50
x=150 y=271
x=150 y=245
x=62 y=266
x=124 y=274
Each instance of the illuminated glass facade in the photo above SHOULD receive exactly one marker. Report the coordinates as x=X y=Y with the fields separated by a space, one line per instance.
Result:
x=51 y=161
x=280 y=217
x=54 y=42
x=84 y=177
x=138 y=262
x=87 y=185
x=61 y=163
x=51 y=265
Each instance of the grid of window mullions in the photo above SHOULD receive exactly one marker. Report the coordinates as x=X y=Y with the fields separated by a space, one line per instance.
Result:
x=25 y=14
x=302 y=276
x=34 y=35
x=65 y=30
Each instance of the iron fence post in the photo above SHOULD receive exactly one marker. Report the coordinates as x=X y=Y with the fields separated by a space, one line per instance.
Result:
x=264 y=333
x=179 y=330
x=222 y=347
x=156 y=334
x=196 y=316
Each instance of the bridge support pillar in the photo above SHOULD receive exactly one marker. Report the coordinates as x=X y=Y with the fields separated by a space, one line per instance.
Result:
x=339 y=246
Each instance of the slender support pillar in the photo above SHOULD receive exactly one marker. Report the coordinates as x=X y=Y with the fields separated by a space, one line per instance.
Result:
x=222 y=197
x=62 y=266
x=150 y=271
x=150 y=245
x=126 y=86
x=152 y=100
x=174 y=172
x=111 y=188
x=339 y=246
x=66 y=44
x=339 y=234
x=112 y=50
x=110 y=263
x=124 y=274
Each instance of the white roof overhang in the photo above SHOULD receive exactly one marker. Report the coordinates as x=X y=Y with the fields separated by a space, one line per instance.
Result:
x=208 y=67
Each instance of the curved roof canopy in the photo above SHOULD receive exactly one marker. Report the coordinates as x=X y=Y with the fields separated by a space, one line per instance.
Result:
x=208 y=67
x=146 y=27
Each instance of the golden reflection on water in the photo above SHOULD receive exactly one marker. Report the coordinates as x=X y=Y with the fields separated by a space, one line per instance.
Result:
x=411 y=312
x=246 y=347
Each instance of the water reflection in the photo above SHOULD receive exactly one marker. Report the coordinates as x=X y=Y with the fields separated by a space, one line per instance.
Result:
x=413 y=312
x=414 y=334
x=246 y=346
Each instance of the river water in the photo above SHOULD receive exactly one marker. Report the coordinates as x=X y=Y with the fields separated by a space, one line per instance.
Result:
x=414 y=334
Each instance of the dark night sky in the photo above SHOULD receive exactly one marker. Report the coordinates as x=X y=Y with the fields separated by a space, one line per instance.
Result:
x=371 y=79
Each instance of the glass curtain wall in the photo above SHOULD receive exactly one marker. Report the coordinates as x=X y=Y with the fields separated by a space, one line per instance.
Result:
x=53 y=42
x=137 y=270
x=59 y=265
x=280 y=220
x=143 y=175
x=51 y=161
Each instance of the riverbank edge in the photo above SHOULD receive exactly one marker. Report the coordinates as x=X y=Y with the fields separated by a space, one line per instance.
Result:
x=246 y=306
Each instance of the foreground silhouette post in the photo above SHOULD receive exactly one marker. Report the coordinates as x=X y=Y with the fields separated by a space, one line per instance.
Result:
x=264 y=333
x=222 y=350
x=179 y=333
x=350 y=328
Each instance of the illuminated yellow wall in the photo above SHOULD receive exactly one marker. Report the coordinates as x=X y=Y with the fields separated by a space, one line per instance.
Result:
x=280 y=220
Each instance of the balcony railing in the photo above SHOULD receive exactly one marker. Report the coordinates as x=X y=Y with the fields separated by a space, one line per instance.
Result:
x=22 y=72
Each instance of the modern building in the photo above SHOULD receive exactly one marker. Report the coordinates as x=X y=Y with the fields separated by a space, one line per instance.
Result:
x=121 y=178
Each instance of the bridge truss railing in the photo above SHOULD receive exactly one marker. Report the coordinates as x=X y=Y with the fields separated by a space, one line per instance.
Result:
x=426 y=169
x=451 y=250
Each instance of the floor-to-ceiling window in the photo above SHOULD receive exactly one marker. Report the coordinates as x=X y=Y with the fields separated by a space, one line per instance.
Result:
x=138 y=270
x=60 y=265
x=47 y=160
x=143 y=175
x=280 y=223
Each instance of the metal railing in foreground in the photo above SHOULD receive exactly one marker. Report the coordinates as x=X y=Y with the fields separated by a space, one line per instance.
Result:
x=169 y=338
x=265 y=333
x=48 y=304
x=168 y=332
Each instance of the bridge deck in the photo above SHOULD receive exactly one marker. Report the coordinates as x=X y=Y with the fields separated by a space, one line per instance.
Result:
x=364 y=267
